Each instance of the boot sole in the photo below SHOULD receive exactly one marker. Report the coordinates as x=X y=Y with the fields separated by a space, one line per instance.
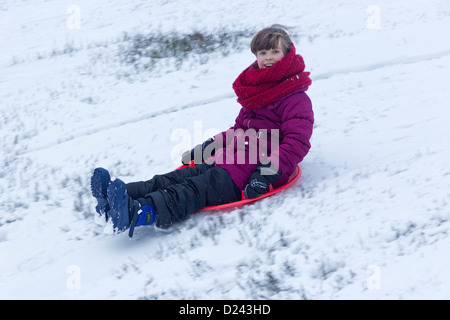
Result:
x=99 y=189
x=118 y=202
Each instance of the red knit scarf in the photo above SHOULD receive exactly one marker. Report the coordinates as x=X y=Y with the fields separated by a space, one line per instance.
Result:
x=256 y=88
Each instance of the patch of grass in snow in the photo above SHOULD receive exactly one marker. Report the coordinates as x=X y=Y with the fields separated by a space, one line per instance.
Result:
x=144 y=51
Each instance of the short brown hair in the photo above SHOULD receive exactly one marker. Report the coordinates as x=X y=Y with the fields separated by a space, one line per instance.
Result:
x=270 y=38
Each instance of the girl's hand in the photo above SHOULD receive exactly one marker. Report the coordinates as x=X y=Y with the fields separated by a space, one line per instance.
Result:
x=258 y=183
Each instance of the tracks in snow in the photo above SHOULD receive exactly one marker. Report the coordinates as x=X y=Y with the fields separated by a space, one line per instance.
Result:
x=382 y=64
x=134 y=120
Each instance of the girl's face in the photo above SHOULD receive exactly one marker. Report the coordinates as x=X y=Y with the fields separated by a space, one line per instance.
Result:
x=267 y=58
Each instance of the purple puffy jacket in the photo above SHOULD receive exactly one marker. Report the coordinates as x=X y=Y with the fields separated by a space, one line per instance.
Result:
x=279 y=132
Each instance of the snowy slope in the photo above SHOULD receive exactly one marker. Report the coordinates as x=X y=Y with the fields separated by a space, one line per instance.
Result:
x=369 y=218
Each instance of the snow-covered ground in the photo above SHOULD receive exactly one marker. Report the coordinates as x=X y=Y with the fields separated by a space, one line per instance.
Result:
x=368 y=219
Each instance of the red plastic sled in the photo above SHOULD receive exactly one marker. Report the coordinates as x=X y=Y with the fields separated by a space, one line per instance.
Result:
x=292 y=179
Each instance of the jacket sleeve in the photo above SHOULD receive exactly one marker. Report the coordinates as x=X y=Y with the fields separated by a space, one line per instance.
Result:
x=227 y=135
x=297 y=119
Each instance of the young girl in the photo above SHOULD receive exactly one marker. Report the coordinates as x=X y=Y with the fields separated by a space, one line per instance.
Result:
x=276 y=120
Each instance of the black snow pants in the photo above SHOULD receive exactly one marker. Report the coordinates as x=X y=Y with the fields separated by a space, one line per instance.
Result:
x=179 y=193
